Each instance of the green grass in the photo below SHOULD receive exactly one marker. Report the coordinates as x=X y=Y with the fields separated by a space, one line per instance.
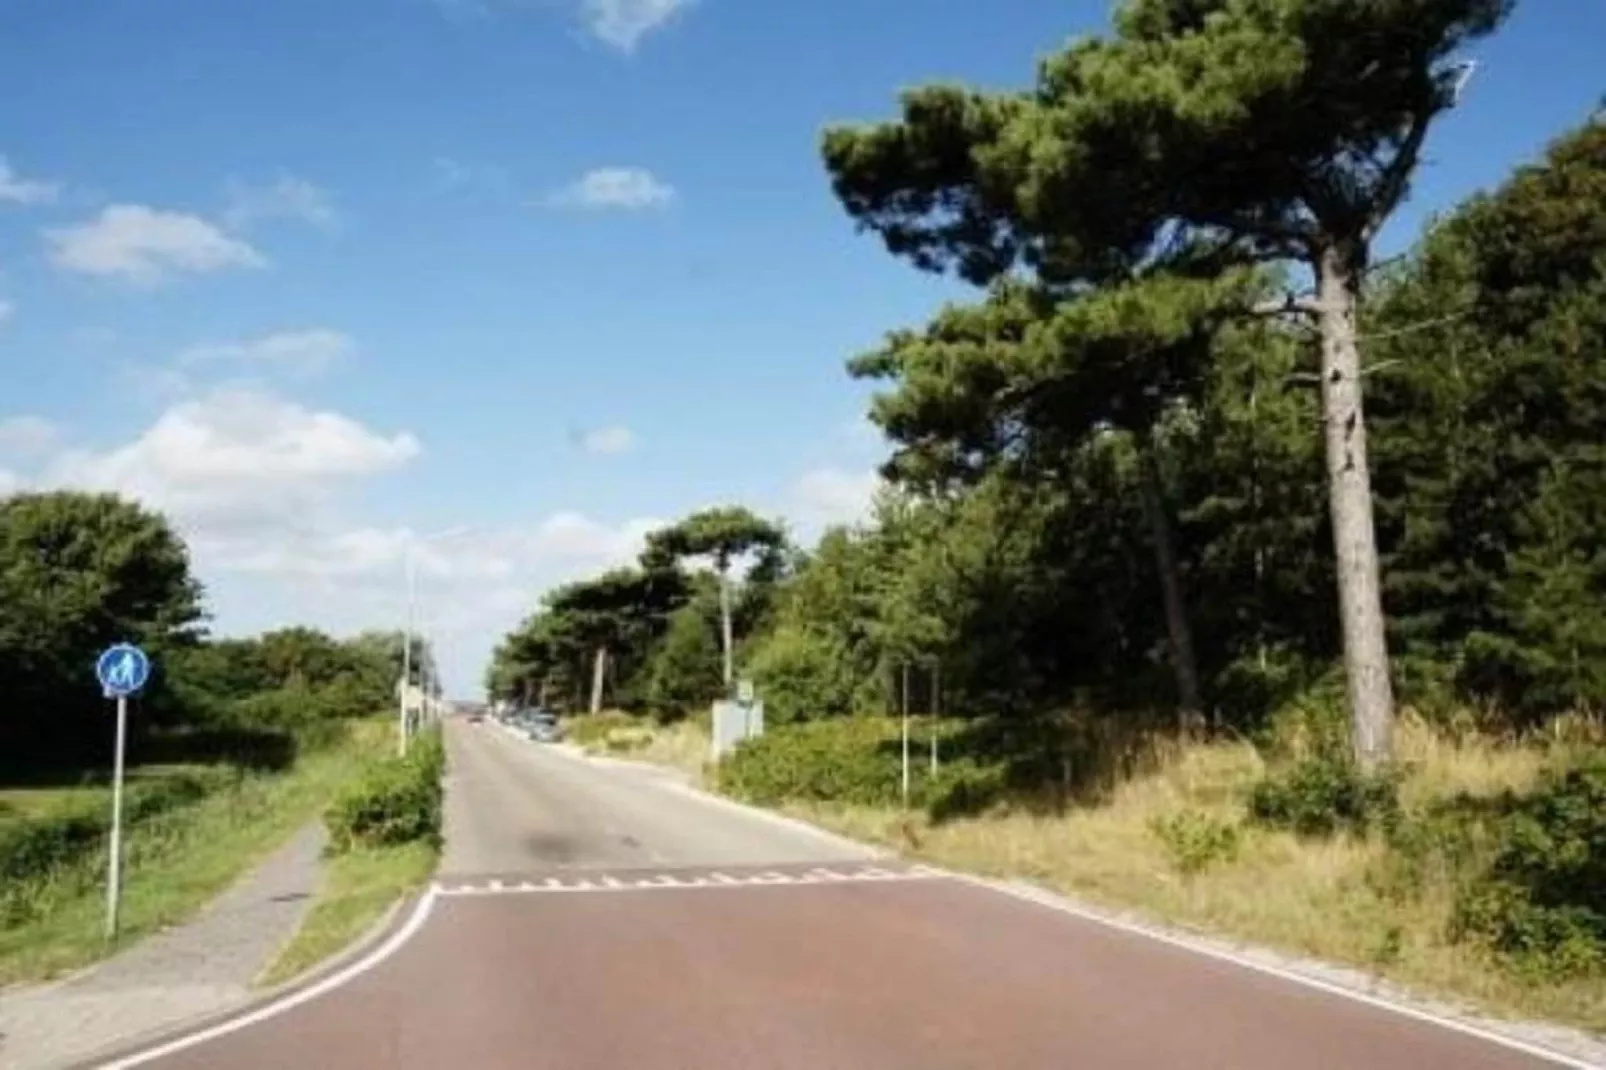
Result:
x=358 y=888
x=94 y=792
x=175 y=861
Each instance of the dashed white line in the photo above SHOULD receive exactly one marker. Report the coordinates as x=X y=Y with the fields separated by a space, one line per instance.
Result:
x=608 y=882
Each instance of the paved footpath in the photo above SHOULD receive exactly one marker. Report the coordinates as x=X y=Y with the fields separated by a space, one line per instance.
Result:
x=198 y=968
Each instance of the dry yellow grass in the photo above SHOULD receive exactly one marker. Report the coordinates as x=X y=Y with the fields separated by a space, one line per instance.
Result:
x=1313 y=898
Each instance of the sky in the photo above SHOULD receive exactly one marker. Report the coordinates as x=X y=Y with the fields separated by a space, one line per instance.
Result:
x=500 y=284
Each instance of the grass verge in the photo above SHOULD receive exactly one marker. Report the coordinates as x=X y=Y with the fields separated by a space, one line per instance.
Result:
x=358 y=888
x=384 y=841
x=177 y=860
x=1142 y=846
x=680 y=745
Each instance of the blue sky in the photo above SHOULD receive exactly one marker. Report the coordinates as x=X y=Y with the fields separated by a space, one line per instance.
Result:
x=321 y=277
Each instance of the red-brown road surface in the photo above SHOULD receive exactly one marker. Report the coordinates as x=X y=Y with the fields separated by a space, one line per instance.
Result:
x=602 y=935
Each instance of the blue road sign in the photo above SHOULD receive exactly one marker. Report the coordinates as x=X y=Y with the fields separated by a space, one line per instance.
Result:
x=122 y=669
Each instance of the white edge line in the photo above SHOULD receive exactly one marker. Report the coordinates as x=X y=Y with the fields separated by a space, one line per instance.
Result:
x=1048 y=900
x=1028 y=893
x=295 y=999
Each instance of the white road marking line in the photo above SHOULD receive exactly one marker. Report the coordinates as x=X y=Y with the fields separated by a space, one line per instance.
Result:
x=295 y=999
x=607 y=882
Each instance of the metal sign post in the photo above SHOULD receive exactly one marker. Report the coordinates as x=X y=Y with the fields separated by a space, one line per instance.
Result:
x=122 y=670
x=906 y=735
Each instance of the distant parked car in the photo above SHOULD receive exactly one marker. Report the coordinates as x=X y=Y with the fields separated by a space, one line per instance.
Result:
x=540 y=725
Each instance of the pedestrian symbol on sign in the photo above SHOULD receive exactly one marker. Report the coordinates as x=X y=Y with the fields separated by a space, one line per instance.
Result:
x=123 y=669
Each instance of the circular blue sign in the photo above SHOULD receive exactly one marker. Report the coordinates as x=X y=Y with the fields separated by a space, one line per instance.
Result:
x=122 y=669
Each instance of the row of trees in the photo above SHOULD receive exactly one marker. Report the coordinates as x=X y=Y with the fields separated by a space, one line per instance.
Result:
x=1137 y=470
x=664 y=631
x=79 y=572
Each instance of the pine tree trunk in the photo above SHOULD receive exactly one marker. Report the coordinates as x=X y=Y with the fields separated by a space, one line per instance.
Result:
x=598 y=670
x=1178 y=630
x=725 y=627
x=1349 y=488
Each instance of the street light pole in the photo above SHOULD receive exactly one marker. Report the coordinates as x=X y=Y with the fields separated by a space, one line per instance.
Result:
x=407 y=636
x=407 y=654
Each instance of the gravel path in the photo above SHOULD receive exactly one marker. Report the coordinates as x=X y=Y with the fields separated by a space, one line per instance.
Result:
x=195 y=969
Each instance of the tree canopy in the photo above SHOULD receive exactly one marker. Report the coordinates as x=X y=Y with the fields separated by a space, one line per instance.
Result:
x=1133 y=372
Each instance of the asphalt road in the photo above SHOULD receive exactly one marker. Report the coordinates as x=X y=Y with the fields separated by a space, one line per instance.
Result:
x=592 y=918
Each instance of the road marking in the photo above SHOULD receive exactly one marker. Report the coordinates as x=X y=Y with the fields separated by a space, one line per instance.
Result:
x=652 y=882
x=1028 y=893
x=295 y=999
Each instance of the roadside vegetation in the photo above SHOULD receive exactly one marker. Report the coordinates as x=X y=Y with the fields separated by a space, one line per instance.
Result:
x=384 y=841
x=1101 y=569
x=234 y=745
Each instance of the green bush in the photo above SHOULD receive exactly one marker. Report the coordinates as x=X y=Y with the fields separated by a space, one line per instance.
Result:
x=802 y=675
x=591 y=730
x=67 y=846
x=1322 y=795
x=1195 y=841
x=854 y=760
x=396 y=800
x=685 y=671
x=1543 y=904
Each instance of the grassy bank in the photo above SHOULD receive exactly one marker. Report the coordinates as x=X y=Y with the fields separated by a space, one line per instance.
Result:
x=682 y=745
x=384 y=842
x=1170 y=837
x=358 y=888
x=182 y=848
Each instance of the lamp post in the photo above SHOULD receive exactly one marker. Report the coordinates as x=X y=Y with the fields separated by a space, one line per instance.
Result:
x=410 y=564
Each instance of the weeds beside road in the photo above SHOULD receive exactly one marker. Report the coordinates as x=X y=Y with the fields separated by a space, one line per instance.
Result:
x=189 y=833
x=384 y=842
x=1220 y=837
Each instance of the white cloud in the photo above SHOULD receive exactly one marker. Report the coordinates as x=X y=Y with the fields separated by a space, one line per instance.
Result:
x=238 y=460
x=626 y=188
x=822 y=497
x=255 y=482
x=623 y=24
x=7 y=310
x=303 y=351
x=143 y=245
x=606 y=441
x=18 y=190
x=287 y=197
x=27 y=435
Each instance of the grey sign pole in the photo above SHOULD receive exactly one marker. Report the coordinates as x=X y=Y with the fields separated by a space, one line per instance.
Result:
x=114 y=880
x=122 y=670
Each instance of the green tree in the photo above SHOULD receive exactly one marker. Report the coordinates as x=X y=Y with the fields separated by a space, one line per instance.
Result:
x=721 y=535
x=684 y=670
x=79 y=572
x=1247 y=131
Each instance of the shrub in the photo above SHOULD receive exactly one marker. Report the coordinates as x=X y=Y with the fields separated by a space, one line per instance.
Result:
x=66 y=846
x=853 y=760
x=685 y=671
x=802 y=675
x=590 y=730
x=1194 y=840
x=1544 y=902
x=1322 y=795
x=396 y=800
